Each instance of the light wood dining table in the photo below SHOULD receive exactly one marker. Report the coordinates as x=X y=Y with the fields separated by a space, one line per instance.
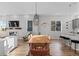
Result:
x=39 y=45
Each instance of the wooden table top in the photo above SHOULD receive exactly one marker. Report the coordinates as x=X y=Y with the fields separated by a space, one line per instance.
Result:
x=39 y=39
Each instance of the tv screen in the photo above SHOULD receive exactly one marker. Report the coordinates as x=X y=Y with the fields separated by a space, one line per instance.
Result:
x=13 y=23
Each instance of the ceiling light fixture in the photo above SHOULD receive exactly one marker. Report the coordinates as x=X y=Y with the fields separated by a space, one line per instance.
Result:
x=36 y=16
x=72 y=3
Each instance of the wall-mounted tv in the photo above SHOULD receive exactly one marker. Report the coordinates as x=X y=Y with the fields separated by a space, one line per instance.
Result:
x=13 y=23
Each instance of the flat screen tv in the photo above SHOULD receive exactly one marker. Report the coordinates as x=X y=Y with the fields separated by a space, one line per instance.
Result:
x=13 y=23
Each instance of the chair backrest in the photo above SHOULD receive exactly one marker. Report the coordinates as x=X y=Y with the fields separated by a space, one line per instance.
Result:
x=36 y=45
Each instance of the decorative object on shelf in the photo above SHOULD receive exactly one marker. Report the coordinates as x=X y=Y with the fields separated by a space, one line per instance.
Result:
x=3 y=29
x=13 y=33
x=44 y=23
x=10 y=28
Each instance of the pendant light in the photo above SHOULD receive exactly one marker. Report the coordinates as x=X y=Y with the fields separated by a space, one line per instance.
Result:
x=36 y=16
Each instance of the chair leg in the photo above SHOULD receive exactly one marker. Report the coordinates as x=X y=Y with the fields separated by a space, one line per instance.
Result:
x=65 y=43
x=75 y=47
x=70 y=43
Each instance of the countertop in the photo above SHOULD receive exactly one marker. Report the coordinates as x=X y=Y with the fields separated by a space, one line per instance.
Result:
x=72 y=36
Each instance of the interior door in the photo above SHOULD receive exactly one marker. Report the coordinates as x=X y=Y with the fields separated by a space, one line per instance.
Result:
x=29 y=26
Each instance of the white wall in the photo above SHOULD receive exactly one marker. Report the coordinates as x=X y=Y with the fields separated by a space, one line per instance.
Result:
x=47 y=11
x=43 y=28
x=21 y=18
x=46 y=28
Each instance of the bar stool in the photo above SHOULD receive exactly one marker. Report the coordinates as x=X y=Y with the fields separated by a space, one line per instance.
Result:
x=62 y=37
x=67 y=39
x=76 y=42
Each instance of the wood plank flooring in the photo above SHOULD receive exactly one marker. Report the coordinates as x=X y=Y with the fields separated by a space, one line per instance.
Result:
x=57 y=48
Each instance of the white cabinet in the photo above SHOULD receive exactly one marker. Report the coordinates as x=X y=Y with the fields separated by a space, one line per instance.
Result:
x=7 y=44
x=2 y=47
x=10 y=44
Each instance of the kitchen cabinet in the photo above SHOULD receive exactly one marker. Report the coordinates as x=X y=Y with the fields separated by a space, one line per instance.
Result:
x=2 y=47
x=7 y=44
x=75 y=23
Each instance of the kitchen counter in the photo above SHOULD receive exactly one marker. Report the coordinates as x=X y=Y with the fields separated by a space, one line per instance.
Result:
x=72 y=36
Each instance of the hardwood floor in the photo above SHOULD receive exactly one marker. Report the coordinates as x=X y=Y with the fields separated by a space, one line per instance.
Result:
x=21 y=50
x=57 y=48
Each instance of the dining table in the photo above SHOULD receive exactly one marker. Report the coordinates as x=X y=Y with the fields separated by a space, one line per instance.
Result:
x=39 y=45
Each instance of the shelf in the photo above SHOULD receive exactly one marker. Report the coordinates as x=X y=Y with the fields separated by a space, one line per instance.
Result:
x=15 y=28
x=18 y=28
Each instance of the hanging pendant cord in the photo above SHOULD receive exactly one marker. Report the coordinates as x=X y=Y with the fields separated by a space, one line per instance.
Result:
x=36 y=8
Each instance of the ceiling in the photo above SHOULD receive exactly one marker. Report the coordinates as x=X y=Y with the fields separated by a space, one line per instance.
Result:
x=43 y=8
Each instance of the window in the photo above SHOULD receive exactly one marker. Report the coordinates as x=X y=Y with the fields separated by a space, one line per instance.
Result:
x=2 y=24
x=55 y=26
x=58 y=26
x=52 y=25
x=29 y=26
